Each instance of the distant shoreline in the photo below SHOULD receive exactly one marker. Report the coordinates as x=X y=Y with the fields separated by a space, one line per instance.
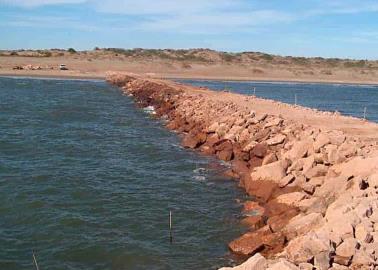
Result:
x=79 y=76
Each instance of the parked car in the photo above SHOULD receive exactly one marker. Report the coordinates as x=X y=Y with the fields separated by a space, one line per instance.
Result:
x=63 y=67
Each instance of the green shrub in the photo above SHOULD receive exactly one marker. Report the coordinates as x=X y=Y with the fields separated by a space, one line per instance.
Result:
x=267 y=57
x=71 y=50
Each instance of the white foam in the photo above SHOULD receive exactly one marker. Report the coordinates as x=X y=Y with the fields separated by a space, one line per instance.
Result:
x=150 y=110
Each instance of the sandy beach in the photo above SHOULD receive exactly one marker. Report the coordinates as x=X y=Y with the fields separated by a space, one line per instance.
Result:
x=207 y=66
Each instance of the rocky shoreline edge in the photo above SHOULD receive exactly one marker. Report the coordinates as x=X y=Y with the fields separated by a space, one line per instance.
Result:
x=316 y=190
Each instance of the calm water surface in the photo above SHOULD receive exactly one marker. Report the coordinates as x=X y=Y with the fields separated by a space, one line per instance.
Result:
x=87 y=181
x=344 y=98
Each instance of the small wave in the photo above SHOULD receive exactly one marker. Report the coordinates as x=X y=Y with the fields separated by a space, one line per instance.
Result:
x=199 y=170
x=149 y=109
x=199 y=178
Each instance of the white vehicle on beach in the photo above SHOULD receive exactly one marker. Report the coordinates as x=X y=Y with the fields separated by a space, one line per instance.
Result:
x=63 y=67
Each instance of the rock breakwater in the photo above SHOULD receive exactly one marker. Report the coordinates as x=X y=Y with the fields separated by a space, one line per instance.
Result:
x=316 y=193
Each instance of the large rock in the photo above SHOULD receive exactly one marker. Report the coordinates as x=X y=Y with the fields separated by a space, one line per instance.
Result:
x=257 y=262
x=249 y=146
x=252 y=242
x=193 y=141
x=347 y=248
x=260 y=189
x=286 y=180
x=213 y=127
x=279 y=221
x=318 y=170
x=269 y=158
x=336 y=137
x=271 y=172
x=291 y=199
x=321 y=140
x=259 y=150
x=278 y=139
x=304 y=248
x=302 y=224
x=300 y=149
x=358 y=166
x=373 y=180
x=274 y=122
x=283 y=265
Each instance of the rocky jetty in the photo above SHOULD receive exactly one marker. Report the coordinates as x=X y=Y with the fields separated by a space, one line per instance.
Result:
x=316 y=188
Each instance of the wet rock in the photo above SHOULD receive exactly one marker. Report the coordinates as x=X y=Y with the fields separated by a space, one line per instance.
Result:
x=239 y=153
x=253 y=208
x=253 y=222
x=224 y=150
x=212 y=139
x=259 y=150
x=260 y=189
x=193 y=141
x=255 y=162
x=253 y=242
x=240 y=167
x=225 y=155
x=279 y=221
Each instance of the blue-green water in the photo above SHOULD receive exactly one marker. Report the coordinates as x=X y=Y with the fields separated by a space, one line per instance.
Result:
x=87 y=181
x=347 y=99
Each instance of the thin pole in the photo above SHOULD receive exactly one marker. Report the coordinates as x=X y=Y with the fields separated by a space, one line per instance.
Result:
x=170 y=227
x=254 y=91
x=35 y=262
x=295 y=97
x=365 y=113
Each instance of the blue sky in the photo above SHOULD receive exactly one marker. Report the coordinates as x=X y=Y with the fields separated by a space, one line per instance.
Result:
x=328 y=28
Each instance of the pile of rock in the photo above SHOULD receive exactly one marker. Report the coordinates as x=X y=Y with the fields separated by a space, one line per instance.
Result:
x=316 y=190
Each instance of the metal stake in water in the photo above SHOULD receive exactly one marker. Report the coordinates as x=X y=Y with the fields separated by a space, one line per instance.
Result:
x=254 y=91
x=170 y=227
x=35 y=262
x=295 y=99
x=365 y=113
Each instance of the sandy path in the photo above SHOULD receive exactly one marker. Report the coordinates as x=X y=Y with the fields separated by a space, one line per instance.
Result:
x=368 y=131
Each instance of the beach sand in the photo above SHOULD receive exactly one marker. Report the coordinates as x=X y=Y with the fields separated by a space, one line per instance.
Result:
x=86 y=67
